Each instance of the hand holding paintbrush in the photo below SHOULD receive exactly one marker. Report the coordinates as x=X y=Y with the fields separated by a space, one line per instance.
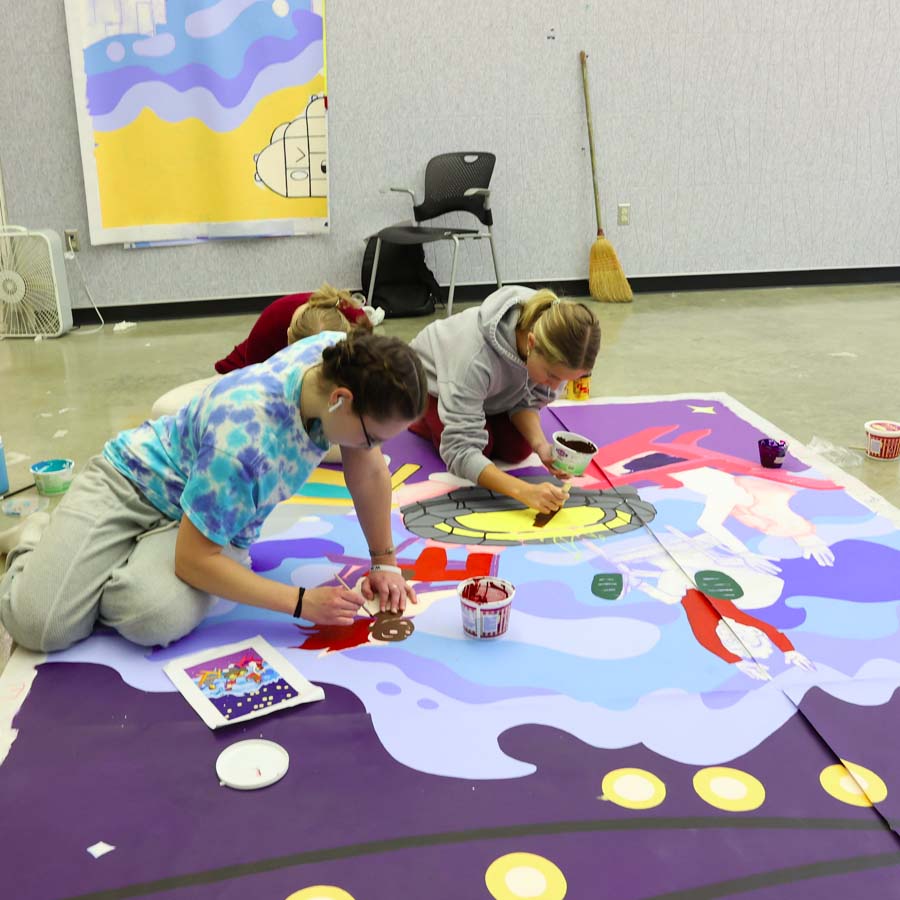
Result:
x=541 y=519
x=363 y=606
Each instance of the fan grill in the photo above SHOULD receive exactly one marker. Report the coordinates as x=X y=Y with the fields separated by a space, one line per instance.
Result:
x=28 y=302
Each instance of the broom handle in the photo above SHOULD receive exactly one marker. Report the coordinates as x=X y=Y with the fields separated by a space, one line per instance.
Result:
x=587 y=108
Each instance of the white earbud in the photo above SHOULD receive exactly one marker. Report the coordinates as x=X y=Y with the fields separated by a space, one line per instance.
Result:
x=335 y=406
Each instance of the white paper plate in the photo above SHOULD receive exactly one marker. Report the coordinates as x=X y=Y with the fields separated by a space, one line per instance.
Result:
x=249 y=765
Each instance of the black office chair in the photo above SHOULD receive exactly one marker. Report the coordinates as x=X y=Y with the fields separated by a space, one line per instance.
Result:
x=454 y=182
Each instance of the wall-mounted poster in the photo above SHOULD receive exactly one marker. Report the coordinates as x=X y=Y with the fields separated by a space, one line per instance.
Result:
x=201 y=118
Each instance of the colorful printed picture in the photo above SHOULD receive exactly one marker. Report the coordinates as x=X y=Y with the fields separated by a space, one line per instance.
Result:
x=240 y=681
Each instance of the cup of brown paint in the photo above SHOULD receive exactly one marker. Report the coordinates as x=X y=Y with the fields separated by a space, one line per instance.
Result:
x=572 y=452
x=486 y=603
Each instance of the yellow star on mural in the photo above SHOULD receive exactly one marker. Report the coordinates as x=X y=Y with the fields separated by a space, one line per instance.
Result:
x=709 y=410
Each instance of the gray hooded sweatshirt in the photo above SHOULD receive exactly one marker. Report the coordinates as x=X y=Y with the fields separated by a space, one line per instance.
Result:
x=474 y=370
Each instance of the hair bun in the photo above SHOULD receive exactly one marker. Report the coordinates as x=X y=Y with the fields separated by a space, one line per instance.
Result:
x=384 y=374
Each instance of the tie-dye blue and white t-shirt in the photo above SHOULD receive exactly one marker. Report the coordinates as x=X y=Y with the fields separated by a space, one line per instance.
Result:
x=235 y=451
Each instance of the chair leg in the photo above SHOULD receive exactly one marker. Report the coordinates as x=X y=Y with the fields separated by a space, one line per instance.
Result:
x=452 y=276
x=374 y=270
x=494 y=257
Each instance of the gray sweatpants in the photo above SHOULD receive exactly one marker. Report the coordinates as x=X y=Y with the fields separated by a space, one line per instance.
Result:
x=107 y=556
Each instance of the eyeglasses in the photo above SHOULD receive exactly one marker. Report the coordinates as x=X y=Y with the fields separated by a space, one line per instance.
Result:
x=369 y=442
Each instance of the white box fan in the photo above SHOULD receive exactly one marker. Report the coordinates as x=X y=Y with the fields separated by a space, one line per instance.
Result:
x=34 y=295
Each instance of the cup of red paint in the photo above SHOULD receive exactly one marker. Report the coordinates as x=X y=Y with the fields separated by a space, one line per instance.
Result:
x=771 y=453
x=882 y=439
x=486 y=603
x=572 y=452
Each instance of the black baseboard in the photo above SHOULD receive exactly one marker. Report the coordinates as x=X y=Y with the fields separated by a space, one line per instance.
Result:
x=736 y=280
x=576 y=287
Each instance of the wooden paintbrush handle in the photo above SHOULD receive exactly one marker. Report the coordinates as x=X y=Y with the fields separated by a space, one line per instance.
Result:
x=590 y=128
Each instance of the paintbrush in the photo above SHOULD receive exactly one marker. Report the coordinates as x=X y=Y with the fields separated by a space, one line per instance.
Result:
x=541 y=519
x=363 y=607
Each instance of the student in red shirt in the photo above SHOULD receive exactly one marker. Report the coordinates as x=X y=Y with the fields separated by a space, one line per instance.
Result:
x=291 y=318
x=282 y=322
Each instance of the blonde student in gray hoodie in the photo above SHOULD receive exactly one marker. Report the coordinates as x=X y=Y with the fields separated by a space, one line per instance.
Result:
x=490 y=370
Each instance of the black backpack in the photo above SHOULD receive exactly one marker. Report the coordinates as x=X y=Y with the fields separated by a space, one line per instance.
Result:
x=404 y=285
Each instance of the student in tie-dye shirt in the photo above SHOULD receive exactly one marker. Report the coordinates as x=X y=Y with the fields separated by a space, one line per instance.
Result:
x=143 y=539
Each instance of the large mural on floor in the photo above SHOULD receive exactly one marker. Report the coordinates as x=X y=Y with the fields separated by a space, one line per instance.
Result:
x=690 y=638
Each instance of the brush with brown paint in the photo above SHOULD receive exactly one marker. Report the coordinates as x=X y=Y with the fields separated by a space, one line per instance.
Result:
x=541 y=519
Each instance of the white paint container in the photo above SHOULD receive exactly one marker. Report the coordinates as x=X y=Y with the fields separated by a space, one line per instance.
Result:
x=882 y=439
x=53 y=476
x=482 y=619
x=568 y=459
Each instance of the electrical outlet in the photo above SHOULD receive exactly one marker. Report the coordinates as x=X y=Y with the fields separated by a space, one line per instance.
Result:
x=73 y=244
x=624 y=213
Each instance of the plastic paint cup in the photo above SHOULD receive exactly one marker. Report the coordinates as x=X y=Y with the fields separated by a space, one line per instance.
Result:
x=572 y=452
x=771 y=453
x=486 y=603
x=882 y=439
x=53 y=476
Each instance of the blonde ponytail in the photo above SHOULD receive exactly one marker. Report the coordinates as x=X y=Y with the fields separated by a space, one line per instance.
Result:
x=324 y=311
x=534 y=307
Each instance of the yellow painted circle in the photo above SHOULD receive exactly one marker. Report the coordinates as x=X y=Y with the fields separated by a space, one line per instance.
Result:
x=525 y=876
x=729 y=789
x=321 y=892
x=633 y=788
x=518 y=524
x=853 y=784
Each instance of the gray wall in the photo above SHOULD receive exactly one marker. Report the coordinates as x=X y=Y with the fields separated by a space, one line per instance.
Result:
x=747 y=135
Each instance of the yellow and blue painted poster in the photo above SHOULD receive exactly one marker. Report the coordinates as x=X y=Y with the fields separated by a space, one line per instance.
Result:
x=201 y=118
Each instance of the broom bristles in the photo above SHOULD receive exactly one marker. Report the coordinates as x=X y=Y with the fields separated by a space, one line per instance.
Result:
x=607 y=280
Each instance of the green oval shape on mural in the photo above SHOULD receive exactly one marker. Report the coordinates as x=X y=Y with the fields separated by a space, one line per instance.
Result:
x=718 y=584
x=607 y=585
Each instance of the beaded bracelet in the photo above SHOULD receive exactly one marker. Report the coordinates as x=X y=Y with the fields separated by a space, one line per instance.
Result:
x=386 y=552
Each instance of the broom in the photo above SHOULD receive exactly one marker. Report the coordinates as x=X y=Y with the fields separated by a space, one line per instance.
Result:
x=607 y=280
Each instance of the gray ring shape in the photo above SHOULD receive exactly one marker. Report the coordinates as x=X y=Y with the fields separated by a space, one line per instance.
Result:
x=422 y=518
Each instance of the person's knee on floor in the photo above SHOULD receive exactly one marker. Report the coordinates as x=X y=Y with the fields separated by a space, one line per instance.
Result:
x=20 y=604
x=163 y=623
x=145 y=601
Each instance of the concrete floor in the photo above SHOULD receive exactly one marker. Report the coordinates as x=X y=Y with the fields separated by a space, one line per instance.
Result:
x=814 y=361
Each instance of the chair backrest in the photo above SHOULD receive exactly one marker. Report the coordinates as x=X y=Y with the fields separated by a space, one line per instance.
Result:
x=448 y=177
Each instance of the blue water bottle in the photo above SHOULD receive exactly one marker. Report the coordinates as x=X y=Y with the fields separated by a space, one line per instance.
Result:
x=4 y=477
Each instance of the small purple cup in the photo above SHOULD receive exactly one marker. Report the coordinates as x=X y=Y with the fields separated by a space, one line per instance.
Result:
x=771 y=453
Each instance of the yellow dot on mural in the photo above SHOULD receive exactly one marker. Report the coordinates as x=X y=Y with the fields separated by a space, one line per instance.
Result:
x=853 y=784
x=321 y=892
x=633 y=788
x=517 y=876
x=729 y=789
